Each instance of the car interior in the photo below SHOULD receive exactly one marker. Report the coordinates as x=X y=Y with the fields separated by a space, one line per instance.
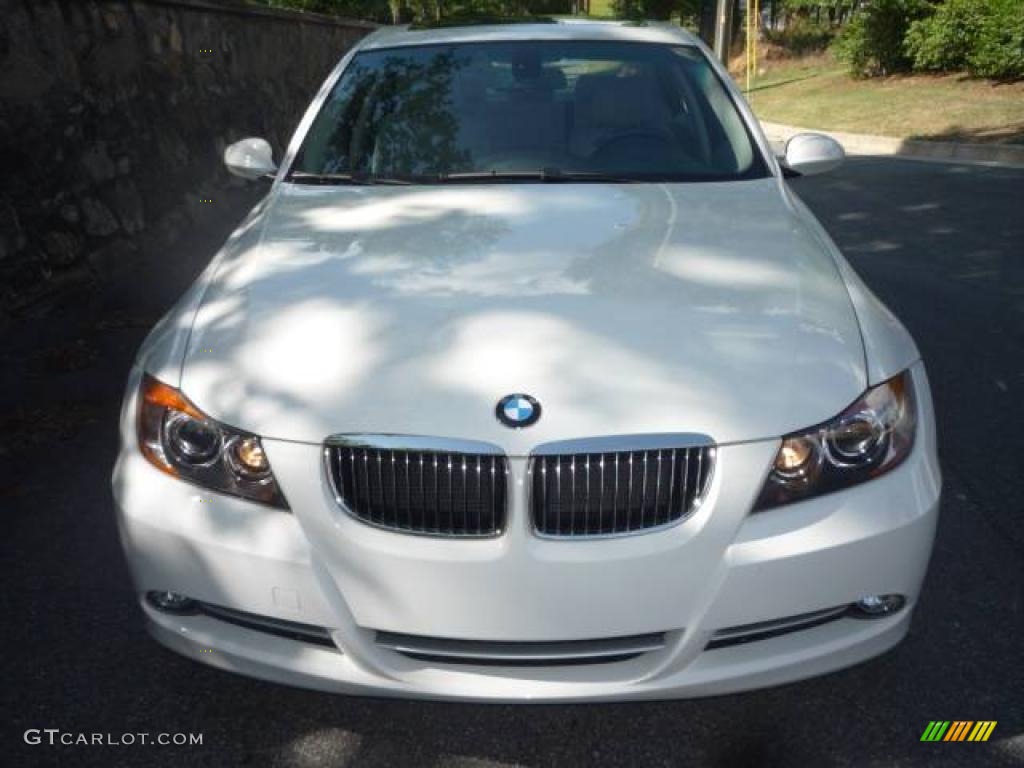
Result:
x=506 y=108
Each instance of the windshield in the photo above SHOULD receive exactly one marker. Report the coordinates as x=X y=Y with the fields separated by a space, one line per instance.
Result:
x=552 y=110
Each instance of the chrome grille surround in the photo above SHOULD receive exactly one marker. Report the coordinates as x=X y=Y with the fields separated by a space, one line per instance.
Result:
x=418 y=485
x=618 y=486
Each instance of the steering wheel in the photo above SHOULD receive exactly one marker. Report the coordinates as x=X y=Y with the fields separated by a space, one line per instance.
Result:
x=637 y=136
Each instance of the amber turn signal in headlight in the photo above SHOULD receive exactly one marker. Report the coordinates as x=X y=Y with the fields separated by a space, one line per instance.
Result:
x=179 y=439
x=869 y=438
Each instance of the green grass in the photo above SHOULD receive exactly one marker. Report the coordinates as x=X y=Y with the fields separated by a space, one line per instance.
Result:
x=817 y=93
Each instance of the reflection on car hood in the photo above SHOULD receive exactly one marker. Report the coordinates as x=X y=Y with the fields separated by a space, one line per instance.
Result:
x=700 y=308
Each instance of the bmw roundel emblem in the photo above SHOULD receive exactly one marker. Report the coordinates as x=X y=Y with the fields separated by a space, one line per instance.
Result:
x=517 y=411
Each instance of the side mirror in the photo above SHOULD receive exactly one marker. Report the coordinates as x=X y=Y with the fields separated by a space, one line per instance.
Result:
x=810 y=153
x=250 y=159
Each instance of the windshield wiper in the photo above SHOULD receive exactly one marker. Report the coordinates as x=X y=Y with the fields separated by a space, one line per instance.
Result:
x=546 y=175
x=302 y=177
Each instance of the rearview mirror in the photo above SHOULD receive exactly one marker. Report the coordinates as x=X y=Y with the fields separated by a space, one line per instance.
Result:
x=810 y=153
x=250 y=158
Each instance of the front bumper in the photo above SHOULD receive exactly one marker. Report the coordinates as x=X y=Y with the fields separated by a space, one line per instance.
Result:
x=721 y=568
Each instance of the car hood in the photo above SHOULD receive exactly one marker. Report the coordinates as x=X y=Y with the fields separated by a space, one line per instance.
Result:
x=704 y=309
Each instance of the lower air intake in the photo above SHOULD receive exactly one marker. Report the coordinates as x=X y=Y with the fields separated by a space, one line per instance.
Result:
x=560 y=652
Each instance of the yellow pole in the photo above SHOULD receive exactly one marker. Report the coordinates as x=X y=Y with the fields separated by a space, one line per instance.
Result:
x=746 y=49
x=757 y=23
x=753 y=17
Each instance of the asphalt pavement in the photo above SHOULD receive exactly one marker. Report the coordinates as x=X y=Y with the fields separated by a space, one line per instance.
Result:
x=942 y=245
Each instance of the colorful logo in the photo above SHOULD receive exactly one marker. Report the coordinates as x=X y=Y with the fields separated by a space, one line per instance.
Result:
x=517 y=410
x=958 y=730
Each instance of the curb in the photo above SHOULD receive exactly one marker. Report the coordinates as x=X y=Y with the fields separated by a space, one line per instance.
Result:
x=1002 y=155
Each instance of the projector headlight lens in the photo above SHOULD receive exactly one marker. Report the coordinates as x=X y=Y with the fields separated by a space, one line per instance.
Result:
x=870 y=438
x=192 y=441
x=179 y=439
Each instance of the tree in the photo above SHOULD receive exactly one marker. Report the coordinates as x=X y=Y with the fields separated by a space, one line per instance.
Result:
x=688 y=10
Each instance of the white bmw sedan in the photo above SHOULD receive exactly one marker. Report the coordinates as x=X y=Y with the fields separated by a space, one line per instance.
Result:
x=529 y=379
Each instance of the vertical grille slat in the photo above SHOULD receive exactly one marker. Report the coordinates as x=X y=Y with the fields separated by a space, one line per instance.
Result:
x=572 y=498
x=449 y=497
x=395 y=503
x=700 y=468
x=366 y=485
x=629 y=491
x=558 y=486
x=436 y=476
x=408 y=492
x=615 y=504
x=494 y=508
x=336 y=468
x=423 y=484
x=671 y=484
x=586 y=495
x=643 y=492
x=380 y=486
x=465 y=498
x=614 y=493
x=657 y=491
x=544 y=489
x=416 y=491
x=479 y=495
x=685 y=490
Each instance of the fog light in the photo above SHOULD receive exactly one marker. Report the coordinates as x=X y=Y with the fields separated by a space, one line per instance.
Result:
x=876 y=606
x=171 y=602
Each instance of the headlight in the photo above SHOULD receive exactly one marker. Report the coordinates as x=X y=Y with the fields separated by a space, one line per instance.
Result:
x=179 y=439
x=871 y=437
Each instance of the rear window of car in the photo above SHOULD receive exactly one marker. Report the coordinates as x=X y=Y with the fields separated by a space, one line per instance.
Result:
x=637 y=111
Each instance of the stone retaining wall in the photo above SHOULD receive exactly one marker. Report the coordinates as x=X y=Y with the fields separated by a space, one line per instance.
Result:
x=113 y=118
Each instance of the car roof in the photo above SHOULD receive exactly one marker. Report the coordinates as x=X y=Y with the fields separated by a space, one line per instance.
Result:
x=546 y=29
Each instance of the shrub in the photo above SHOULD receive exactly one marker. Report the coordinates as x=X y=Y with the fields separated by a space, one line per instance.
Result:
x=852 y=47
x=944 y=41
x=999 y=50
x=985 y=37
x=800 y=36
x=872 y=42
